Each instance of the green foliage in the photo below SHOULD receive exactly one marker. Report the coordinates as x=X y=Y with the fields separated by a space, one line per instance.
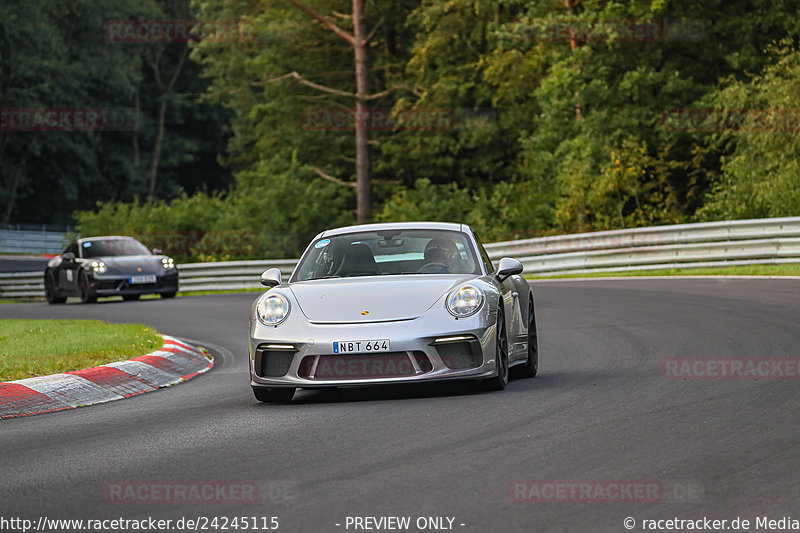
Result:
x=266 y=215
x=177 y=226
x=425 y=201
x=286 y=208
x=501 y=213
x=761 y=177
x=55 y=54
x=546 y=135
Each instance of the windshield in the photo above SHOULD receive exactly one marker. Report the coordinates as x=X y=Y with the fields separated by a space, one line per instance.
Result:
x=379 y=253
x=107 y=247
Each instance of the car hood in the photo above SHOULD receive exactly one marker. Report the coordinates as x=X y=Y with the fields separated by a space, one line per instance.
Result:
x=129 y=265
x=372 y=299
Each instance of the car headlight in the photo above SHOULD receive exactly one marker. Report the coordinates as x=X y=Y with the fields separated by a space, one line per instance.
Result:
x=465 y=301
x=272 y=310
x=168 y=263
x=98 y=267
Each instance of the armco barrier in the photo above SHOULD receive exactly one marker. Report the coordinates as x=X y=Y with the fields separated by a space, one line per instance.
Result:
x=733 y=230
x=738 y=242
x=229 y=275
x=32 y=241
x=735 y=242
x=194 y=277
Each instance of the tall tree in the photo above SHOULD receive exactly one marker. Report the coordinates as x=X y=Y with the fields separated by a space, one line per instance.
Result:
x=358 y=39
x=342 y=66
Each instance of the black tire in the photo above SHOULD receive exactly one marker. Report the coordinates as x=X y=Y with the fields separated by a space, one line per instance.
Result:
x=531 y=366
x=168 y=294
x=50 y=290
x=500 y=381
x=88 y=296
x=130 y=297
x=273 y=395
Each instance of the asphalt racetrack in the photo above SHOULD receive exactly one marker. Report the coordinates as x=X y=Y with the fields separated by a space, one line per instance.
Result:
x=600 y=412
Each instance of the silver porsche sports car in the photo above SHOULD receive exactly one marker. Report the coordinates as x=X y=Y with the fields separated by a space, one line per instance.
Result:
x=391 y=303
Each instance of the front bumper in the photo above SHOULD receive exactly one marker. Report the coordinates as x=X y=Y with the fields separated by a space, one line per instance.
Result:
x=111 y=285
x=423 y=349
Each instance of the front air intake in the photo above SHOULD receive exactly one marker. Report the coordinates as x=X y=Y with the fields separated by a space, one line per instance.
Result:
x=459 y=354
x=273 y=361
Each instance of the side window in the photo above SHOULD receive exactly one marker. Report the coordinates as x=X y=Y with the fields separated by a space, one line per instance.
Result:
x=484 y=255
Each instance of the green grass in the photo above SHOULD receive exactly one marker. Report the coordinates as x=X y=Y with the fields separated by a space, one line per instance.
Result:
x=39 y=347
x=792 y=269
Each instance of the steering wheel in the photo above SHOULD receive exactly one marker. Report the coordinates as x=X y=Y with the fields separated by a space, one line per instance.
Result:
x=434 y=268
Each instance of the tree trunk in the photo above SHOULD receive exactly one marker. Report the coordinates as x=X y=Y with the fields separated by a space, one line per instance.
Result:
x=12 y=191
x=154 y=160
x=166 y=91
x=135 y=135
x=363 y=186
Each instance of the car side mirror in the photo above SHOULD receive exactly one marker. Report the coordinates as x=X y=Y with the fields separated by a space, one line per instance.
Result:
x=271 y=277
x=157 y=251
x=68 y=256
x=508 y=267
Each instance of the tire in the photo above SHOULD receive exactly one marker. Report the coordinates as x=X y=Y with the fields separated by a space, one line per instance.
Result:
x=531 y=366
x=499 y=381
x=273 y=395
x=168 y=294
x=50 y=290
x=130 y=297
x=88 y=296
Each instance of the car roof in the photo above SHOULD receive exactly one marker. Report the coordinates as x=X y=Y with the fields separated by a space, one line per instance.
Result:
x=393 y=225
x=104 y=237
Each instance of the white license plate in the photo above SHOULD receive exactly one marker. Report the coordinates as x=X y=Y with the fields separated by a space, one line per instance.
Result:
x=372 y=346
x=143 y=279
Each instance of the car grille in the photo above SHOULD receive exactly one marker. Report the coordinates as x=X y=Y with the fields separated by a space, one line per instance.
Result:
x=138 y=286
x=363 y=366
x=110 y=284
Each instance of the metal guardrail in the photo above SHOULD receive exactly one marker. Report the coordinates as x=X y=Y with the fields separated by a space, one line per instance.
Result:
x=739 y=242
x=21 y=285
x=229 y=275
x=194 y=277
x=32 y=241
x=728 y=243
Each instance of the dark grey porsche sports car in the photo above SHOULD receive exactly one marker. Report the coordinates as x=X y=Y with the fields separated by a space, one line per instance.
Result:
x=109 y=266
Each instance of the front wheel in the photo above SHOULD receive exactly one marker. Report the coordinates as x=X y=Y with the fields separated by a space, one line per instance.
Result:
x=88 y=296
x=51 y=290
x=273 y=395
x=500 y=381
x=168 y=294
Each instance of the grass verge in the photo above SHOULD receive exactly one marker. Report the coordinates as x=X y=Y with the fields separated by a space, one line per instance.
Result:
x=792 y=269
x=40 y=347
